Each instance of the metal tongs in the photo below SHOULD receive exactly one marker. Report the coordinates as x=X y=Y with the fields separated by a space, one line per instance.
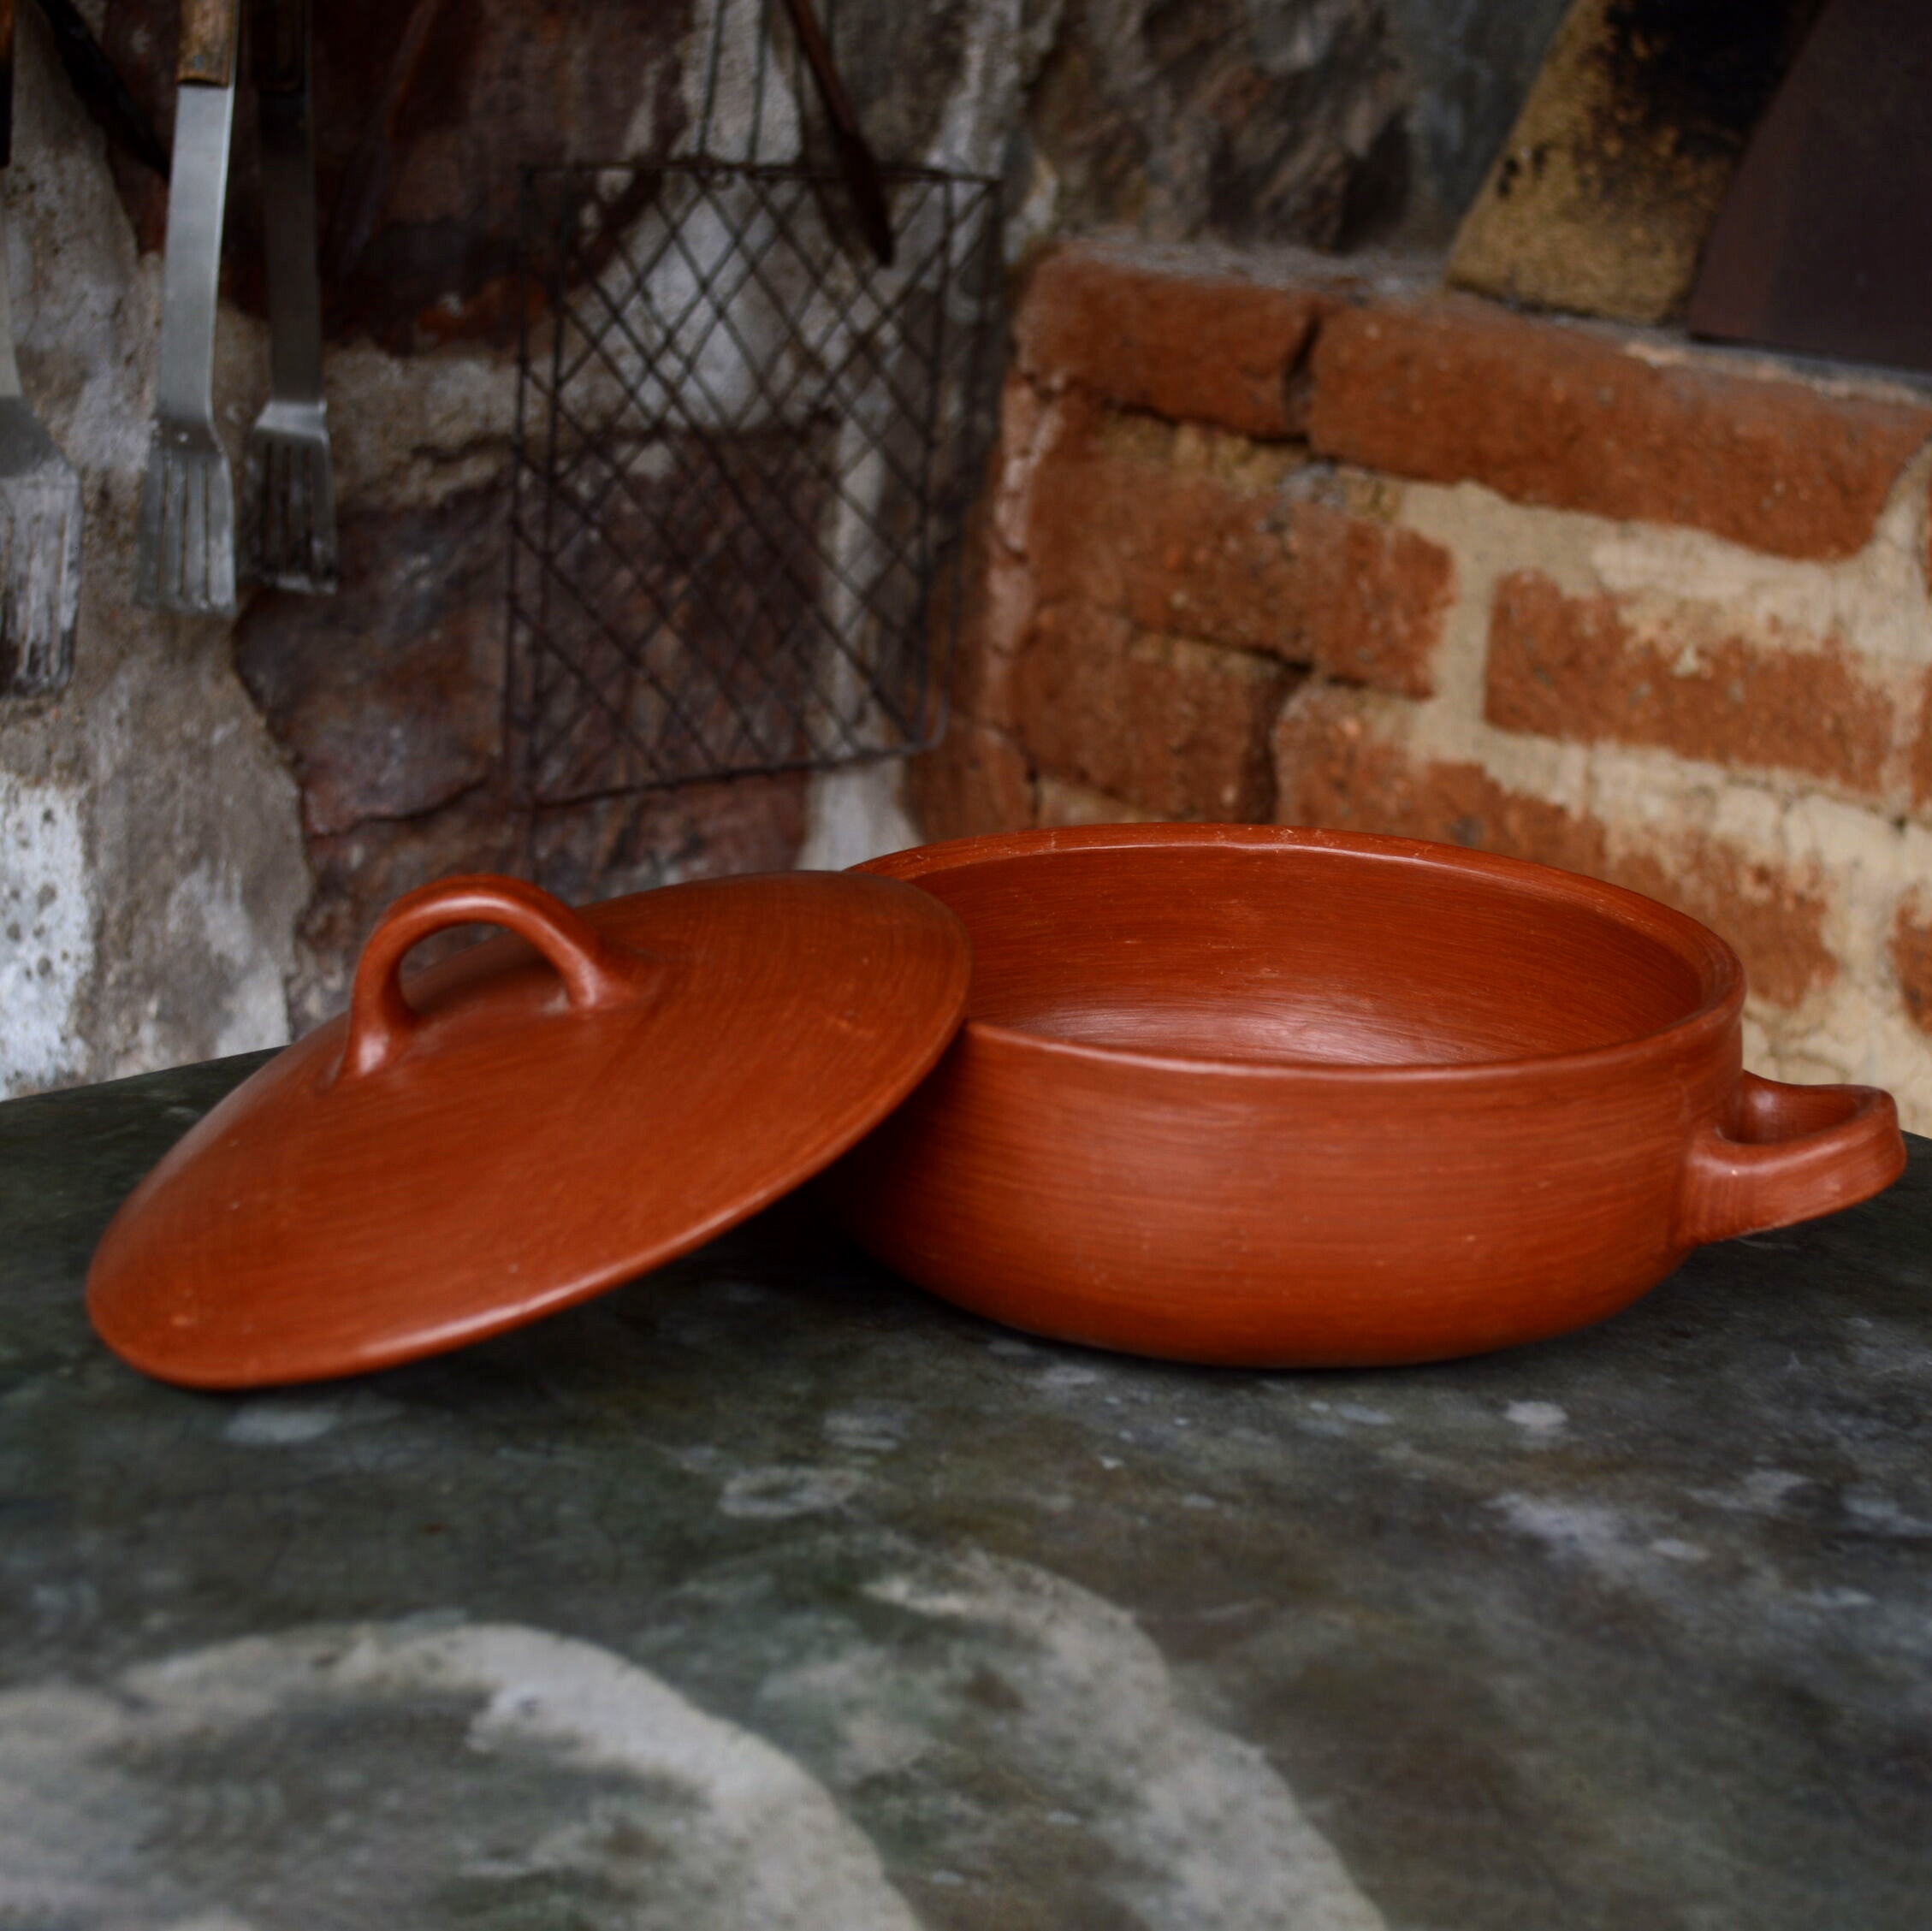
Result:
x=289 y=489
x=40 y=492
x=186 y=556
x=184 y=553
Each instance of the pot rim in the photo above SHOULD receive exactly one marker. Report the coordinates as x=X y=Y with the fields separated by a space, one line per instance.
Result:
x=1716 y=965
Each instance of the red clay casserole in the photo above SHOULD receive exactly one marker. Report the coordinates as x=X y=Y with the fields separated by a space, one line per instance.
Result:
x=1281 y=1097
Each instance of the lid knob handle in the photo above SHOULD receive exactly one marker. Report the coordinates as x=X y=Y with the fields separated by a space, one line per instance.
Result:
x=382 y=1021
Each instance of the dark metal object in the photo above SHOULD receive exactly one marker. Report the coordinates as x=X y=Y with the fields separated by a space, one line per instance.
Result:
x=40 y=508
x=742 y=459
x=856 y=159
x=358 y=202
x=1824 y=243
x=184 y=537
x=101 y=91
x=288 y=495
x=6 y=83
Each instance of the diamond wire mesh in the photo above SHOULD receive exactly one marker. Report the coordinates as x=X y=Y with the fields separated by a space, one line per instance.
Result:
x=741 y=457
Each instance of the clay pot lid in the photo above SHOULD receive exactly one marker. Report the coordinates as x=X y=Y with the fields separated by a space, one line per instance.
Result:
x=542 y=1117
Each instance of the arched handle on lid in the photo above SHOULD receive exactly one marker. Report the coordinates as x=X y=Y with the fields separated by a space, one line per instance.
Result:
x=1788 y=1153
x=382 y=1021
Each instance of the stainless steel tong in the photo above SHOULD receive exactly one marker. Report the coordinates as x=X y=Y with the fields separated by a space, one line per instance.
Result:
x=288 y=487
x=40 y=492
x=185 y=547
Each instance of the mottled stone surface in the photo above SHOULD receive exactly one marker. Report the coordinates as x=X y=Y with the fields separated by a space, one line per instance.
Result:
x=767 y=1591
x=151 y=857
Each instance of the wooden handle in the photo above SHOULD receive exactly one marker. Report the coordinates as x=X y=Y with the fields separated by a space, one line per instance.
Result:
x=382 y=1021
x=1788 y=1153
x=208 y=36
x=6 y=83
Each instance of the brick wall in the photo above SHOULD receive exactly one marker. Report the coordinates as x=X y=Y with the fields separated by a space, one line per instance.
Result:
x=1276 y=542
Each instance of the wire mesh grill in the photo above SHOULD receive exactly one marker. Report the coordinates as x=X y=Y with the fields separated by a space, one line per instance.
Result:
x=742 y=456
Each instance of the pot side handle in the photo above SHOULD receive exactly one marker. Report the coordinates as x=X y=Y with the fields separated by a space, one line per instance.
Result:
x=1788 y=1153
x=595 y=972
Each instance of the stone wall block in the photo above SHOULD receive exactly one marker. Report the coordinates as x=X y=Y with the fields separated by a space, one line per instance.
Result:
x=388 y=696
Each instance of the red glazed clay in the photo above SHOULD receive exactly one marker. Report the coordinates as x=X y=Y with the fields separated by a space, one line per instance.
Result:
x=527 y=1123
x=1278 y=1097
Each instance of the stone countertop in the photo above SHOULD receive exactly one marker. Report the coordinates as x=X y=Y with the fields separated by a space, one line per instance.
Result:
x=768 y=1591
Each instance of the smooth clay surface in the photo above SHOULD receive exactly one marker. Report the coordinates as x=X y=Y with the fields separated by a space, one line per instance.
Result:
x=536 y=1119
x=1265 y=1096
x=768 y=1591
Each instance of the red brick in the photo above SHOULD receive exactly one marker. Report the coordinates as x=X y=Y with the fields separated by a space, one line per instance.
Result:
x=1176 y=728
x=976 y=780
x=1912 y=960
x=1453 y=391
x=1189 y=554
x=1369 y=599
x=1683 y=678
x=1191 y=347
x=1177 y=551
x=1334 y=767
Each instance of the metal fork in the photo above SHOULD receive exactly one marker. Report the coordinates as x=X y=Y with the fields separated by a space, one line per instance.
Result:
x=288 y=489
x=184 y=557
x=40 y=492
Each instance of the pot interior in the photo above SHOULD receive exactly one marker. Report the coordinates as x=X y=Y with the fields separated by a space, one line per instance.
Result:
x=1290 y=953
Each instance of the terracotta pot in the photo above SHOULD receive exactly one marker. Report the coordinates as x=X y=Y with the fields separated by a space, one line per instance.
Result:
x=1281 y=1097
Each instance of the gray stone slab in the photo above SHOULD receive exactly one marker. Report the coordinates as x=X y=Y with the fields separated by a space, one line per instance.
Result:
x=768 y=1591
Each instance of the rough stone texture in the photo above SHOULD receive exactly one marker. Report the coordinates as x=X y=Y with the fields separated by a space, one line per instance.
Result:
x=1922 y=750
x=978 y=779
x=502 y=81
x=149 y=853
x=1602 y=196
x=1335 y=769
x=1209 y=349
x=1685 y=677
x=769 y=1592
x=1213 y=117
x=1452 y=391
x=1177 y=727
x=590 y=851
x=1912 y=960
x=386 y=701
x=1473 y=62
x=387 y=696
